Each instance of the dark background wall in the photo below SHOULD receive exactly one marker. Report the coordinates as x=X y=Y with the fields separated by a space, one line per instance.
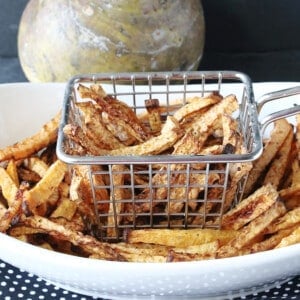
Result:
x=258 y=37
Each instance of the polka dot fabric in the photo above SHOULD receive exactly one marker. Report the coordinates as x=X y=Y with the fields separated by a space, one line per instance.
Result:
x=17 y=284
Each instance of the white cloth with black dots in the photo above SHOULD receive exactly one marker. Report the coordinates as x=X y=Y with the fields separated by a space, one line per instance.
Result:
x=17 y=284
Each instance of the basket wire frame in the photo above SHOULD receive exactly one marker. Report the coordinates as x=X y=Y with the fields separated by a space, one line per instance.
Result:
x=150 y=211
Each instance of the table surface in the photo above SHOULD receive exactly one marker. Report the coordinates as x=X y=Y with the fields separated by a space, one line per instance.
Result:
x=18 y=284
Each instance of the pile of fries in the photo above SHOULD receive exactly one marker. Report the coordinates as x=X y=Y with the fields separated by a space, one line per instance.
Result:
x=43 y=203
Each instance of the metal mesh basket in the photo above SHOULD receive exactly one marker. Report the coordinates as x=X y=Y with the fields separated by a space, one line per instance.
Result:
x=139 y=205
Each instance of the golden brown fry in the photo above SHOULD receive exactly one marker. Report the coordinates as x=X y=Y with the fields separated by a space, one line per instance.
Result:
x=169 y=135
x=22 y=230
x=290 y=192
x=271 y=241
x=232 y=139
x=95 y=129
x=116 y=201
x=37 y=165
x=181 y=195
x=8 y=187
x=83 y=191
x=298 y=134
x=12 y=171
x=46 y=186
x=195 y=106
x=202 y=126
x=152 y=106
x=117 y=115
x=295 y=172
x=31 y=145
x=291 y=239
x=66 y=208
x=88 y=243
x=251 y=231
x=279 y=164
x=14 y=211
x=250 y=208
x=179 y=238
x=76 y=134
x=278 y=135
x=289 y=219
x=193 y=253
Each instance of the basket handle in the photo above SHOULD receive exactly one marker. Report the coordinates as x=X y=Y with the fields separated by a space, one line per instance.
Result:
x=279 y=114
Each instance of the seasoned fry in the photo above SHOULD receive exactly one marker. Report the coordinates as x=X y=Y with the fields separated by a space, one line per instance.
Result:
x=270 y=242
x=66 y=208
x=152 y=106
x=201 y=126
x=117 y=115
x=116 y=206
x=290 y=192
x=279 y=164
x=193 y=253
x=37 y=165
x=250 y=208
x=33 y=144
x=88 y=243
x=251 y=231
x=298 y=134
x=45 y=187
x=8 y=187
x=278 y=135
x=14 y=211
x=197 y=184
x=291 y=239
x=291 y=218
x=95 y=128
x=195 y=106
x=12 y=171
x=179 y=238
x=77 y=134
x=170 y=133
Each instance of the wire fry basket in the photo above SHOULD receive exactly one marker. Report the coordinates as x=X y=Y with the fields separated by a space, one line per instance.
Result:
x=163 y=191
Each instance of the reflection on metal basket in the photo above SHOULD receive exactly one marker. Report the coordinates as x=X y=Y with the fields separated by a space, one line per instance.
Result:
x=185 y=190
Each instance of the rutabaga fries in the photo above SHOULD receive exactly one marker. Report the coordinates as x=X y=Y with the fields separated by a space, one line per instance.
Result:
x=291 y=218
x=88 y=243
x=40 y=193
x=31 y=145
x=66 y=208
x=251 y=231
x=250 y=208
x=202 y=125
x=154 y=117
x=292 y=238
x=298 y=134
x=193 y=253
x=170 y=133
x=116 y=114
x=12 y=171
x=14 y=211
x=116 y=203
x=271 y=241
x=95 y=128
x=37 y=165
x=278 y=166
x=178 y=237
x=77 y=134
x=8 y=186
x=196 y=106
x=278 y=136
x=70 y=211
